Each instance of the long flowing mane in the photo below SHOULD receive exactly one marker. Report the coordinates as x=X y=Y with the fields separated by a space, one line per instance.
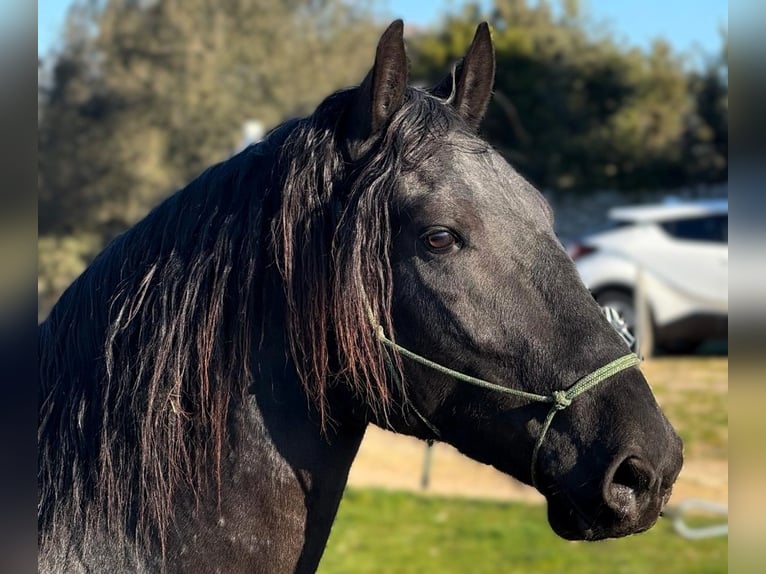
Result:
x=145 y=357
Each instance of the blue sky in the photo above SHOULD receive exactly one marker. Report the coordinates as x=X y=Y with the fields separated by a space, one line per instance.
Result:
x=691 y=26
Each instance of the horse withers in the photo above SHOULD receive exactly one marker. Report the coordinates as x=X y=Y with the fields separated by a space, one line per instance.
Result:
x=206 y=382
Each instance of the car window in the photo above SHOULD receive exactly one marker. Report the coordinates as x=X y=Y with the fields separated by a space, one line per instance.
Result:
x=710 y=228
x=611 y=226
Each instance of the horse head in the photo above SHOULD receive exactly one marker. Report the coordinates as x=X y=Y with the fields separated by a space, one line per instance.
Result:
x=445 y=248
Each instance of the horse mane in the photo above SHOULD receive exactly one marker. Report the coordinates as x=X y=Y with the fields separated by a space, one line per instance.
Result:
x=349 y=214
x=148 y=353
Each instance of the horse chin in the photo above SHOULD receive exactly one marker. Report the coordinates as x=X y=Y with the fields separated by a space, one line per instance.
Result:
x=569 y=521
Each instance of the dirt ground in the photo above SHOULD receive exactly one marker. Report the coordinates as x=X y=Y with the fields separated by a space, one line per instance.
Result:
x=393 y=461
x=387 y=460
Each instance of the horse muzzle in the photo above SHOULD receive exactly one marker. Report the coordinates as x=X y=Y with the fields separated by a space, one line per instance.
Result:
x=632 y=496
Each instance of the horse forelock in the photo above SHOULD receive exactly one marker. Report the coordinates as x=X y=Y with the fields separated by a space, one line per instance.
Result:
x=333 y=240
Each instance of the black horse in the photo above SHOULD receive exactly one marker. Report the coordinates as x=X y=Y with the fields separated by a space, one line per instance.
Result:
x=206 y=382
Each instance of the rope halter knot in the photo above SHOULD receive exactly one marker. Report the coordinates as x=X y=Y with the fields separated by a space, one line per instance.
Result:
x=560 y=400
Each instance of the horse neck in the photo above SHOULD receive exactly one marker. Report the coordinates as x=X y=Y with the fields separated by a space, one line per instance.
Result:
x=281 y=484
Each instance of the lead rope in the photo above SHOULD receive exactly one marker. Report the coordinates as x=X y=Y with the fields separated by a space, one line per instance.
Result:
x=560 y=400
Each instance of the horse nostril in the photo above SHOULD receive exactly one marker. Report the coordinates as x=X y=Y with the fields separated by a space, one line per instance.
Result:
x=629 y=488
x=631 y=474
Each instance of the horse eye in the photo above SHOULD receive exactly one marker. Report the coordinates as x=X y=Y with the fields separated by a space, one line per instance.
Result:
x=440 y=241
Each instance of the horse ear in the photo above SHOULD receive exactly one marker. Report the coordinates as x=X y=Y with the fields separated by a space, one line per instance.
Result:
x=382 y=92
x=469 y=87
x=445 y=88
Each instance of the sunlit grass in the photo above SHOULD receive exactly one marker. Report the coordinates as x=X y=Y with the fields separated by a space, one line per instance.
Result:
x=385 y=532
x=693 y=392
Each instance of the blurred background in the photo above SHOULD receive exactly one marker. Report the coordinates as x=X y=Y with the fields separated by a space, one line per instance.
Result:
x=616 y=111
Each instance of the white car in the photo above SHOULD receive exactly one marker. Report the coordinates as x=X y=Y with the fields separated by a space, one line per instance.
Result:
x=677 y=255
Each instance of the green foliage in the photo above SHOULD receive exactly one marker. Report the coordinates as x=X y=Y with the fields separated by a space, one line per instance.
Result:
x=401 y=533
x=576 y=110
x=147 y=94
x=706 y=146
x=60 y=260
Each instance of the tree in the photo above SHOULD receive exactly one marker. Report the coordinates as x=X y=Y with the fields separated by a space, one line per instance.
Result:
x=147 y=93
x=706 y=149
x=154 y=91
x=574 y=110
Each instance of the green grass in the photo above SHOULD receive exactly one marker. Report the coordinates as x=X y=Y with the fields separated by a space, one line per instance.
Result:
x=693 y=393
x=386 y=532
x=702 y=420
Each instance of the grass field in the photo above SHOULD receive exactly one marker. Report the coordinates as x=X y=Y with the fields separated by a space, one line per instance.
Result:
x=693 y=392
x=393 y=532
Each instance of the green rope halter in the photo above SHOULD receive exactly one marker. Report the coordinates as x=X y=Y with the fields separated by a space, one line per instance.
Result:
x=559 y=399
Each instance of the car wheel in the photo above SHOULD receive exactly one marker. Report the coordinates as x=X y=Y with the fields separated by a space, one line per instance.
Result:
x=622 y=302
